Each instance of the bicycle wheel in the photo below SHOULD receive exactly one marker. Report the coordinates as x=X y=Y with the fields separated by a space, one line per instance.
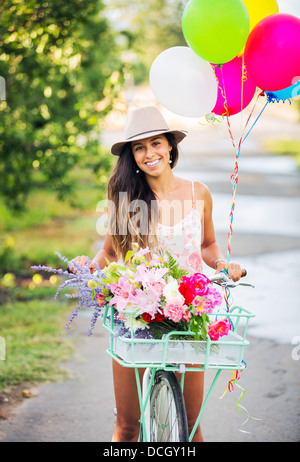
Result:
x=168 y=421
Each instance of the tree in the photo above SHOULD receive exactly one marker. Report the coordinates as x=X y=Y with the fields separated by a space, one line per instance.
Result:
x=150 y=28
x=62 y=71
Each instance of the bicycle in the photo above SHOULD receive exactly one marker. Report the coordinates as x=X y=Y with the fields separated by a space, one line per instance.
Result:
x=163 y=415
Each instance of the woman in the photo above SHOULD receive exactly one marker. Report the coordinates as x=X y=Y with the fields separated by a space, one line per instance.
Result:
x=143 y=182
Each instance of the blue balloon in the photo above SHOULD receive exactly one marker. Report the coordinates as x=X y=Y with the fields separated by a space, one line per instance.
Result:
x=286 y=93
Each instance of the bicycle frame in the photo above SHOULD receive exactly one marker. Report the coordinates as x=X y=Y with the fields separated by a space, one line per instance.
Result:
x=151 y=367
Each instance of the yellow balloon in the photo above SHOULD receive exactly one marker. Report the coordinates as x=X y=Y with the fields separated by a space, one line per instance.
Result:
x=260 y=9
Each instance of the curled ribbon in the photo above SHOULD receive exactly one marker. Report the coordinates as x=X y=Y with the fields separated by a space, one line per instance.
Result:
x=230 y=387
x=231 y=383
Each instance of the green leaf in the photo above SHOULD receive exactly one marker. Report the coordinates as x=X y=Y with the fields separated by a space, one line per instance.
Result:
x=128 y=255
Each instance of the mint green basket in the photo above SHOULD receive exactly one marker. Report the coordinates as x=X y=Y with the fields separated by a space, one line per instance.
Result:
x=170 y=352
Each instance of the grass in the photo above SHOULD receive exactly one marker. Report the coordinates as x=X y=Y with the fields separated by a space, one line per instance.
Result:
x=31 y=321
x=33 y=333
x=284 y=147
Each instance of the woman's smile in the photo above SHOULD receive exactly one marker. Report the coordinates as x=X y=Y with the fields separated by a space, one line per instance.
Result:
x=153 y=163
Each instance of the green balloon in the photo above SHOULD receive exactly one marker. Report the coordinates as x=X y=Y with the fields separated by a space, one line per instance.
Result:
x=216 y=30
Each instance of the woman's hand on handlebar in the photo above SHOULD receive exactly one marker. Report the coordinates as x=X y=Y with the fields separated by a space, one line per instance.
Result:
x=81 y=260
x=235 y=271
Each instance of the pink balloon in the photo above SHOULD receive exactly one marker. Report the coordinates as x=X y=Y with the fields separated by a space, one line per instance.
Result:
x=272 y=53
x=230 y=81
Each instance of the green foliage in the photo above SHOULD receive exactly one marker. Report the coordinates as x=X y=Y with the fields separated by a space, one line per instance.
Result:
x=173 y=265
x=63 y=73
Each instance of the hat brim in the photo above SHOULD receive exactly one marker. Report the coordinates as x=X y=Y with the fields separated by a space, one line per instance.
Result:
x=116 y=148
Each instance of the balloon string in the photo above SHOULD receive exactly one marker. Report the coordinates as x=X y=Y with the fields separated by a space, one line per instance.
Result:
x=244 y=77
x=222 y=89
x=234 y=177
x=256 y=118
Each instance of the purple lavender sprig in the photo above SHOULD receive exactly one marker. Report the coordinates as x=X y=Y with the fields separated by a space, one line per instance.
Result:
x=86 y=292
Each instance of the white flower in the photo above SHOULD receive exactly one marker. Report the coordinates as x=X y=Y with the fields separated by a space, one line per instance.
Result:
x=136 y=323
x=171 y=291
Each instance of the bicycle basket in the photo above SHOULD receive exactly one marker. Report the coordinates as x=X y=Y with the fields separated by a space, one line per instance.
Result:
x=227 y=352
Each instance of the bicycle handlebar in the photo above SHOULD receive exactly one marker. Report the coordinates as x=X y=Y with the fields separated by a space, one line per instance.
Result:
x=225 y=281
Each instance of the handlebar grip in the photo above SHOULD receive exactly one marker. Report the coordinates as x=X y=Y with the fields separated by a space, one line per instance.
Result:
x=244 y=272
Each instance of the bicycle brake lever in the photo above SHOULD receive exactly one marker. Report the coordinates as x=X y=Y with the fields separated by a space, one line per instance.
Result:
x=232 y=284
x=240 y=283
x=224 y=281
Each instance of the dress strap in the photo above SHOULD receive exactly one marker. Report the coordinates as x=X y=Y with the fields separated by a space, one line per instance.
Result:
x=193 y=196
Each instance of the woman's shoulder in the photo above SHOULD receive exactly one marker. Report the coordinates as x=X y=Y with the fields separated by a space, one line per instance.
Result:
x=201 y=189
x=188 y=183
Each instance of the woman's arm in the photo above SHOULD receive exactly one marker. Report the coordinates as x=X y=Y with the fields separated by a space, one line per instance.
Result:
x=107 y=252
x=211 y=252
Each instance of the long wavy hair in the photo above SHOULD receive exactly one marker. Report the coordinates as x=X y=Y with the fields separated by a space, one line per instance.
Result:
x=132 y=203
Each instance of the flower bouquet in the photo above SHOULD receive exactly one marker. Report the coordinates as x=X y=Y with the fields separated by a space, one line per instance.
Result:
x=153 y=296
x=149 y=295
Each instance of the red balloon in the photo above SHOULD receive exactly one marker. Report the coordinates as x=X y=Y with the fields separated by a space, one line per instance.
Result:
x=230 y=87
x=272 y=53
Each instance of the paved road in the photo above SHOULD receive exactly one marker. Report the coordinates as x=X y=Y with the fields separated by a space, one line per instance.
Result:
x=266 y=238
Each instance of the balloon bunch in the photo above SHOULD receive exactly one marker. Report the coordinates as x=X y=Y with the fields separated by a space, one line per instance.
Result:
x=235 y=47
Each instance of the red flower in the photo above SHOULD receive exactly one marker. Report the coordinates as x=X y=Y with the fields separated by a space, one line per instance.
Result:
x=186 y=290
x=159 y=317
x=194 y=285
x=148 y=318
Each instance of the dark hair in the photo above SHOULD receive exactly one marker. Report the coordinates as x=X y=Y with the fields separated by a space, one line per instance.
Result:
x=125 y=180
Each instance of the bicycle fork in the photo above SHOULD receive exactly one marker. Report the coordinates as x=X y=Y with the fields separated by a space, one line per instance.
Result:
x=144 y=397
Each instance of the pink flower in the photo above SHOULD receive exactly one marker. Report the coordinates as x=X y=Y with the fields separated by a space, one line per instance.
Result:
x=123 y=293
x=200 y=305
x=148 y=301
x=101 y=299
x=207 y=303
x=156 y=259
x=215 y=296
x=219 y=328
x=147 y=276
x=200 y=283
x=158 y=287
x=143 y=251
x=175 y=310
x=187 y=316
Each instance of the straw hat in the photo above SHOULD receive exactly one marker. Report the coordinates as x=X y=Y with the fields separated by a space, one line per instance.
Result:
x=142 y=123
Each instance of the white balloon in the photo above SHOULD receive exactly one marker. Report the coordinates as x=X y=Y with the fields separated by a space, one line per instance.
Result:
x=183 y=82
